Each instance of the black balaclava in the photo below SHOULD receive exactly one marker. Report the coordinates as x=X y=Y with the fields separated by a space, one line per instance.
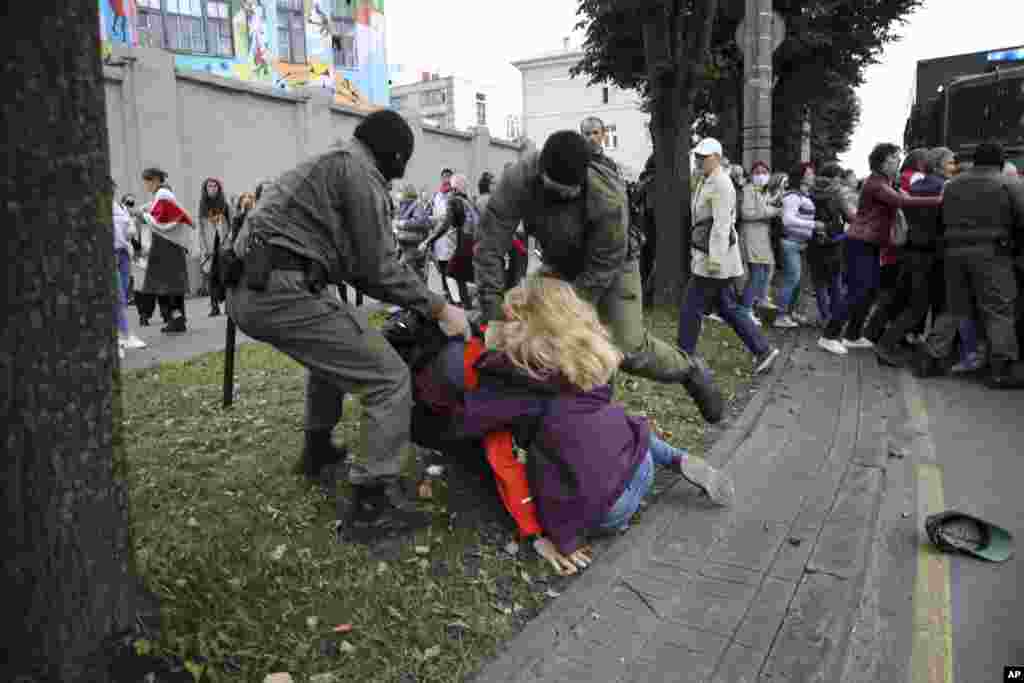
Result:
x=564 y=158
x=390 y=139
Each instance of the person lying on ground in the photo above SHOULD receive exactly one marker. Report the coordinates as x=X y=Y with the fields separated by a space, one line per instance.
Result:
x=545 y=377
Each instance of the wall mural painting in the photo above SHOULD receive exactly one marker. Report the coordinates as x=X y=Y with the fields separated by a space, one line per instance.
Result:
x=347 y=32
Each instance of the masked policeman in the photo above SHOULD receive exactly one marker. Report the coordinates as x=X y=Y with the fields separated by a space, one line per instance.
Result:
x=576 y=209
x=327 y=221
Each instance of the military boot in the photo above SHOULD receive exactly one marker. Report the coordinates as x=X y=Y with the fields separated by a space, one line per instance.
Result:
x=318 y=452
x=376 y=510
x=1005 y=374
x=700 y=385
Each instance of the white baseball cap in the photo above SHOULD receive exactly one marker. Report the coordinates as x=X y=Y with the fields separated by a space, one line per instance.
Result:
x=707 y=147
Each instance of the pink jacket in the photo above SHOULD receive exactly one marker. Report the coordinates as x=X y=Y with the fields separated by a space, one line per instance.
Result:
x=877 y=209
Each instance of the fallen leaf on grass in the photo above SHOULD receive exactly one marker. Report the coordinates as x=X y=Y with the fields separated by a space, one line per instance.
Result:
x=425 y=489
x=312 y=622
x=432 y=652
x=422 y=549
x=526 y=577
x=278 y=552
x=347 y=647
x=343 y=628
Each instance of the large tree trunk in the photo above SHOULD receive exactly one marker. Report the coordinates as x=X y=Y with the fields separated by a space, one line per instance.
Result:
x=68 y=556
x=676 y=46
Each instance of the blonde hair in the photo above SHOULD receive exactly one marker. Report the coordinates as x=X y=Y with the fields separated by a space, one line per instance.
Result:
x=549 y=328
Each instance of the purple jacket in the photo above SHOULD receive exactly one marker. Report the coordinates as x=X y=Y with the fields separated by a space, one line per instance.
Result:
x=583 y=448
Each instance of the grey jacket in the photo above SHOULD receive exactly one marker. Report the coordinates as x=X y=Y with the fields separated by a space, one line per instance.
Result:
x=335 y=209
x=584 y=240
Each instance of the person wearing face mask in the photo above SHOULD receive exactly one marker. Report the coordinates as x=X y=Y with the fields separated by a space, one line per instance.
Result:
x=756 y=214
x=577 y=210
x=327 y=222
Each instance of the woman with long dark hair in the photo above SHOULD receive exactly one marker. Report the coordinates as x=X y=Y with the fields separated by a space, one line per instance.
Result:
x=214 y=222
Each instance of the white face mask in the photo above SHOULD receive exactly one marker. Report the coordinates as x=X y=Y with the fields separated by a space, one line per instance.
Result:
x=760 y=179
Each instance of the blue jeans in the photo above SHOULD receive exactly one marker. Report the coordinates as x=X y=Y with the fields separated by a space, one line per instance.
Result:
x=757 y=287
x=698 y=291
x=792 y=262
x=828 y=295
x=628 y=503
x=124 y=268
x=864 y=271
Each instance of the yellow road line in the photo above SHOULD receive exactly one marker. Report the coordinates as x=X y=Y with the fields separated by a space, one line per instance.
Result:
x=932 y=655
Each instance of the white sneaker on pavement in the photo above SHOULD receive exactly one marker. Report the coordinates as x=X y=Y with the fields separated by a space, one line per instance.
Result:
x=785 y=322
x=832 y=346
x=133 y=342
x=714 y=316
x=862 y=343
x=757 y=321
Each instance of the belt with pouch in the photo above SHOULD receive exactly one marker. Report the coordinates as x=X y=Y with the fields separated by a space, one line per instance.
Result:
x=284 y=259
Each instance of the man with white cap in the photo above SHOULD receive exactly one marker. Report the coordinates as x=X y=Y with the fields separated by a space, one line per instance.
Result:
x=716 y=260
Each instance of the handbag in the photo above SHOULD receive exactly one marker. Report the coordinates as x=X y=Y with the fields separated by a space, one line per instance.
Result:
x=898 y=230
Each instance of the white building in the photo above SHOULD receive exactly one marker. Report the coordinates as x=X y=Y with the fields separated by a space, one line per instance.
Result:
x=553 y=101
x=449 y=102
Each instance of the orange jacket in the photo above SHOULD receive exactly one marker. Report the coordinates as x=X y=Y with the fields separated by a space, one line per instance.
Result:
x=509 y=473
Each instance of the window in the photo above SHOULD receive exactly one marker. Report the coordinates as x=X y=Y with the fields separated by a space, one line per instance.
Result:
x=604 y=95
x=344 y=39
x=218 y=26
x=184 y=23
x=611 y=137
x=291 y=31
x=202 y=26
x=432 y=98
x=151 y=25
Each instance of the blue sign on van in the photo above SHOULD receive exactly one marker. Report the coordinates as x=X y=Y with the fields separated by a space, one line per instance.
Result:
x=1015 y=54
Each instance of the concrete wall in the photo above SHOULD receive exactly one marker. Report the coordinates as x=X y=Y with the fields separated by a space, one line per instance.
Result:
x=196 y=125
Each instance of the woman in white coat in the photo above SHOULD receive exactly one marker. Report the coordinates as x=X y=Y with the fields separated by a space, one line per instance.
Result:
x=716 y=260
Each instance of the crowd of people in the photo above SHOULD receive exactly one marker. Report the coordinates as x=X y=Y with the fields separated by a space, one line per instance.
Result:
x=916 y=261
x=529 y=360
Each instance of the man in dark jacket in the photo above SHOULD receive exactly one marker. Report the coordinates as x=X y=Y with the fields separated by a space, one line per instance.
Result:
x=919 y=254
x=577 y=210
x=327 y=221
x=983 y=214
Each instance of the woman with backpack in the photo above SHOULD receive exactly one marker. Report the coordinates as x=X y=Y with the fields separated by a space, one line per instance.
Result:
x=823 y=251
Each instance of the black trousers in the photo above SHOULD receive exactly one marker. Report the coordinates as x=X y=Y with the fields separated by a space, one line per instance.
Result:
x=146 y=304
x=918 y=274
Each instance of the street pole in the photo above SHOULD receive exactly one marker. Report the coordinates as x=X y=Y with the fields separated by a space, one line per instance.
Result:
x=760 y=33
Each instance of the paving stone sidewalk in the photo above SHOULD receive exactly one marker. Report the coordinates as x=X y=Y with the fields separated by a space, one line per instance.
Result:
x=764 y=591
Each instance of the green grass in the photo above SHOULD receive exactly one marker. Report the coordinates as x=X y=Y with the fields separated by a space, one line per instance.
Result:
x=241 y=552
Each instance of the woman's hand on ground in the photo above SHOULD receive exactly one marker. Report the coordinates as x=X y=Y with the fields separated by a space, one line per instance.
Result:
x=582 y=557
x=561 y=564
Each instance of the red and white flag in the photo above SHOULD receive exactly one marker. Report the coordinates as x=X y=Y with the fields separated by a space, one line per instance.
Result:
x=170 y=221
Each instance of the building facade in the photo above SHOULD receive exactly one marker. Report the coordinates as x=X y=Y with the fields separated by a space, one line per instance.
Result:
x=553 y=101
x=449 y=102
x=336 y=45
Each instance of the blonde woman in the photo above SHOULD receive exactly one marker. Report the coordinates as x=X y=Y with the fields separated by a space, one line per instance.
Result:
x=589 y=463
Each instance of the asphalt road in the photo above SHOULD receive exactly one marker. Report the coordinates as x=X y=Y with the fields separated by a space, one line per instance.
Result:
x=932 y=617
x=979 y=444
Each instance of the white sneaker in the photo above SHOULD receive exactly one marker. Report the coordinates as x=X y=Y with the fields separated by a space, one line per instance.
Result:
x=757 y=321
x=832 y=346
x=120 y=352
x=133 y=342
x=785 y=322
x=862 y=343
x=715 y=317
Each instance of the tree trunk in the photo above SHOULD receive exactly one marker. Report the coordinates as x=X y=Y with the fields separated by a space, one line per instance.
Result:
x=68 y=557
x=676 y=52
